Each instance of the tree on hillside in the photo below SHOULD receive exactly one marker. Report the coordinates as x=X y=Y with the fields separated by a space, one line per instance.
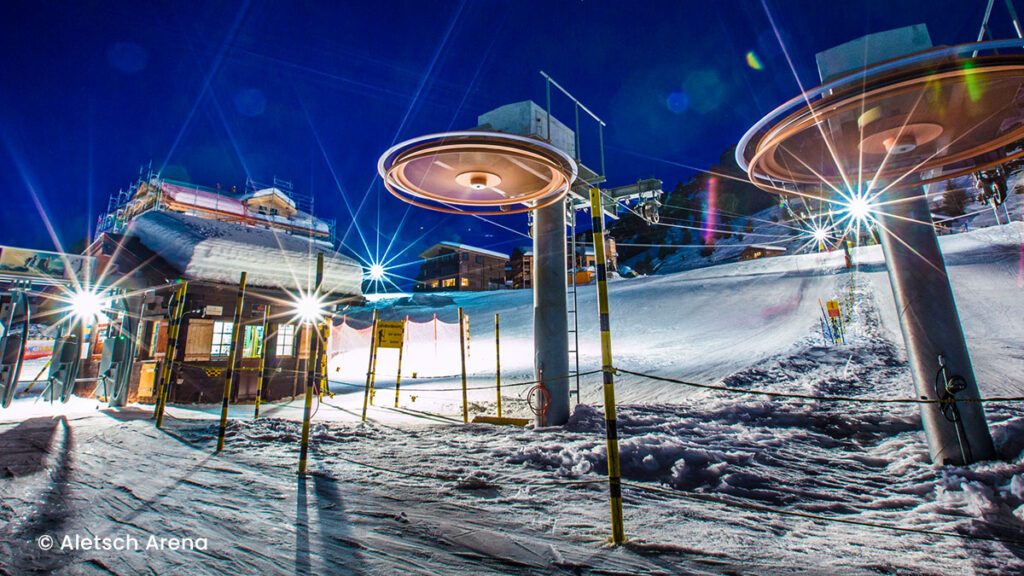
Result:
x=954 y=201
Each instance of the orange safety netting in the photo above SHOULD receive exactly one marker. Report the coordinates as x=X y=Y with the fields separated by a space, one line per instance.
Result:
x=431 y=348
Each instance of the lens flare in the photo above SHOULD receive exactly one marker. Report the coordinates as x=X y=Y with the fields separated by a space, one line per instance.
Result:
x=753 y=61
x=376 y=272
x=309 y=309
x=87 y=305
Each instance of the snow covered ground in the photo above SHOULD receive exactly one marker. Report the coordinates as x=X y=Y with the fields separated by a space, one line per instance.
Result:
x=717 y=483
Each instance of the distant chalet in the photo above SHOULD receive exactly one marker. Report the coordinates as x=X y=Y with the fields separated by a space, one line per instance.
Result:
x=450 y=266
x=755 y=251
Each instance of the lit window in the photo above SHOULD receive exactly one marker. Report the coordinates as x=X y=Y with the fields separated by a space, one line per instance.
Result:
x=221 y=345
x=433 y=284
x=448 y=283
x=465 y=282
x=253 y=345
x=285 y=340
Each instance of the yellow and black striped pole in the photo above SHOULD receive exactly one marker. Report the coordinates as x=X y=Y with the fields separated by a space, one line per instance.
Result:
x=462 y=350
x=312 y=363
x=398 y=379
x=497 y=362
x=372 y=365
x=229 y=373
x=174 y=313
x=608 y=371
x=263 y=360
x=325 y=335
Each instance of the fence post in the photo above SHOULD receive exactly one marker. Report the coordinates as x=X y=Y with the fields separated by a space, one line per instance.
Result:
x=232 y=359
x=173 y=324
x=607 y=369
x=312 y=363
x=497 y=361
x=462 y=351
x=370 y=367
x=398 y=380
x=263 y=361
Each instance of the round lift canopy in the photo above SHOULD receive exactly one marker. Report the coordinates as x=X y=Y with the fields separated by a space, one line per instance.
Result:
x=927 y=117
x=477 y=172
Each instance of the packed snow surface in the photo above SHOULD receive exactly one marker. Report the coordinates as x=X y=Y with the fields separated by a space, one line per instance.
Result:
x=717 y=482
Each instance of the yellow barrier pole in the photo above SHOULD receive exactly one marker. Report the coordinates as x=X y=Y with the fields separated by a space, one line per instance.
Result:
x=263 y=361
x=369 y=368
x=608 y=371
x=229 y=373
x=311 y=365
x=462 y=350
x=497 y=362
x=398 y=380
x=173 y=323
x=373 y=368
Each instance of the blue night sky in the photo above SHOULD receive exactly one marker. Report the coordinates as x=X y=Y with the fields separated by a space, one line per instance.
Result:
x=315 y=92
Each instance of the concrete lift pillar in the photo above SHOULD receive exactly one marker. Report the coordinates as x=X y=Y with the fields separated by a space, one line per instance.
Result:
x=550 y=311
x=890 y=109
x=931 y=329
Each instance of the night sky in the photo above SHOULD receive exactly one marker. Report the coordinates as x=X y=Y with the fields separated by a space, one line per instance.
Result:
x=314 y=92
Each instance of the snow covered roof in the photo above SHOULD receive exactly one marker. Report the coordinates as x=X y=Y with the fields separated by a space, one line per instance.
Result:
x=466 y=247
x=205 y=249
x=272 y=191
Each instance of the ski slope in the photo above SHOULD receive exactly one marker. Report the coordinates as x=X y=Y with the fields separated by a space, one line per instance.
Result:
x=799 y=486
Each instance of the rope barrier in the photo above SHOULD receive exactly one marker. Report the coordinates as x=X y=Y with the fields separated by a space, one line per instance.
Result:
x=694 y=497
x=704 y=498
x=822 y=398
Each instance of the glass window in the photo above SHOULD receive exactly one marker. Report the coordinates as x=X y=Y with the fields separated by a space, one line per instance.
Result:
x=479 y=259
x=253 y=344
x=285 y=340
x=221 y=344
x=465 y=282
x=448 y=283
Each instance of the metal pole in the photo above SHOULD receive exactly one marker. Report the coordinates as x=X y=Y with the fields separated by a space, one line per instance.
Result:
x=547 y=136
x=229 y=374
x=607 y=369
x=462 y=352
x=398 y=379
x=370 y=366
x=497 y=361
x=551 y=311
x=263 y=361
x=373 y=367
x=312 y=361
x=931 y=327
x=174 y=314
x=1013 y=17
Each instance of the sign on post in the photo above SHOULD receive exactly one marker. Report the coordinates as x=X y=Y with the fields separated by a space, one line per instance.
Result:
x=390 y=334
x=833 y=308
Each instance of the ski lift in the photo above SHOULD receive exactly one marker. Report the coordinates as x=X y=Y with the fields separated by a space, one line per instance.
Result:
x=15 y=314
x=991 y=186
x=648 y=210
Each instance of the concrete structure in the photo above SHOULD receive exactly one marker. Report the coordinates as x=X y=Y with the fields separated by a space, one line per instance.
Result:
x=450 y=267
x=528 y=118
x=873 y=121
